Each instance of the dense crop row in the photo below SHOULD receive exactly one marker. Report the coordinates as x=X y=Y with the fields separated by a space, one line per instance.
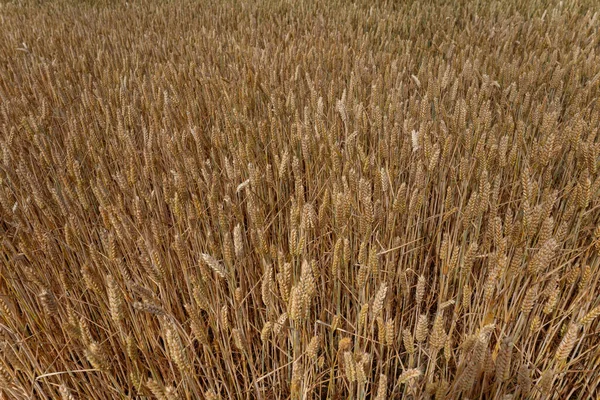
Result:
x=297 y=199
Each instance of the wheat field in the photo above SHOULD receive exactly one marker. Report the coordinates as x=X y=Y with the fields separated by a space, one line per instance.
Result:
x=295 y=199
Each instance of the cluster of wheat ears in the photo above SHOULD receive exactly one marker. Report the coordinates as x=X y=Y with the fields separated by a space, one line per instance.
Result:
x=296 y=199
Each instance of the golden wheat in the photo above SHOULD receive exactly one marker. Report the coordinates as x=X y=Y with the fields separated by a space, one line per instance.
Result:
x=299 y=199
